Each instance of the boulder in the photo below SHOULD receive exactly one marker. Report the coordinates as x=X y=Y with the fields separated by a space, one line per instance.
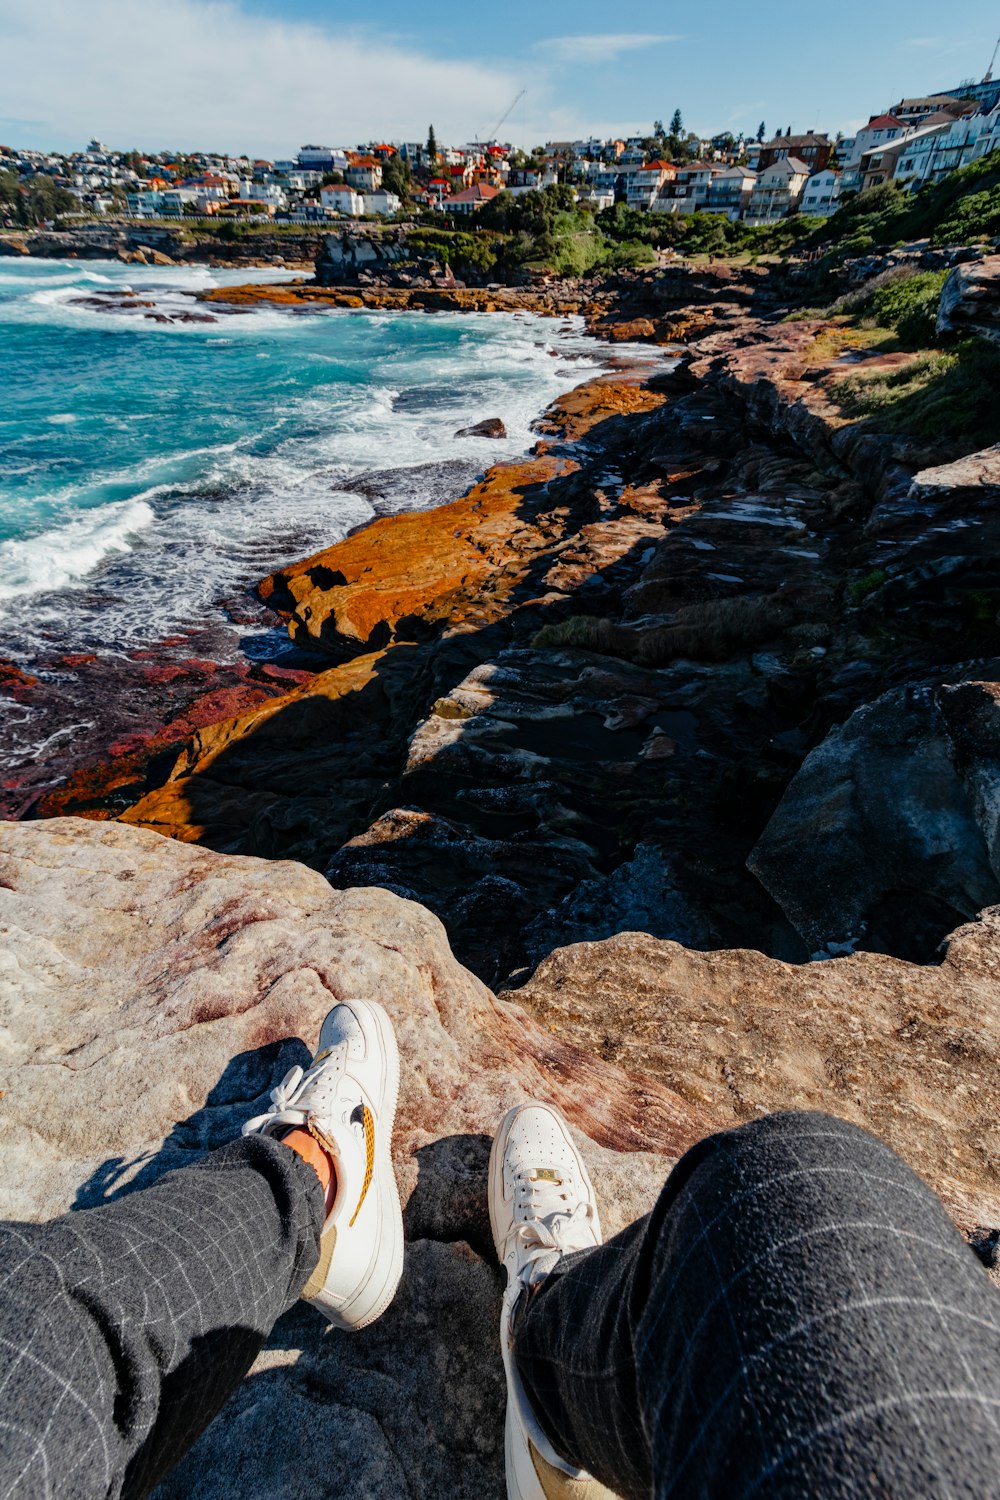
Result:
x=976 y=475
x=907 y=1051
x=886 y=836
x=489 y=427
x=151 y=993
x=970 y=301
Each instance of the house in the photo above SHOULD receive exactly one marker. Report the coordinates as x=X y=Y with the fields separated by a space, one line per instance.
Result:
x=343 y=200
x=363 y=173
x=812 y=149
x=916 y=111
x=383 y=203
x=688 y=191
x=729 y=193
x=646 y=182
x=778 y=191
x=322 y=159
x=880 y=132
x=593 y=198
x=942 y=147
x=985 y=95
x=472 y=199
x=265 y=192
x=530 y=179
x=821 y=196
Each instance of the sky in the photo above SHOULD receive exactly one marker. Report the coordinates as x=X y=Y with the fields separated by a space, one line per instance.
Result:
x=268 y=76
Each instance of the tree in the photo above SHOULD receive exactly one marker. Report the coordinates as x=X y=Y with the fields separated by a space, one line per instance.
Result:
x=761 y=132
x=334 y=179
x=397 y=177
x=44 y=199
x=432 y=146
x=658 y=129
x=676 y=123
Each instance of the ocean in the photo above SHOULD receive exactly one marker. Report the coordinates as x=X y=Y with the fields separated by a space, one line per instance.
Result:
x=154 y=465
x=149 y=468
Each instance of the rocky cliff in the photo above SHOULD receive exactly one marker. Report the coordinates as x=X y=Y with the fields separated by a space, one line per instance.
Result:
x=594 y=693
x=153 y=992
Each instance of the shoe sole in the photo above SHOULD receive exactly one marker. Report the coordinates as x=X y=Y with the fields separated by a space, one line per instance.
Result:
x=376 y=1292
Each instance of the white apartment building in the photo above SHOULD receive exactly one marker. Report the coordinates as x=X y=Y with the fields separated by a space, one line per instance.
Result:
x=383 y=203
x=821 y=196
x=343 y=200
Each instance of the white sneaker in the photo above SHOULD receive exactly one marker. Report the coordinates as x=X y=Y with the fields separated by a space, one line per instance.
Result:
x=347 y=1100
x=542 y=1206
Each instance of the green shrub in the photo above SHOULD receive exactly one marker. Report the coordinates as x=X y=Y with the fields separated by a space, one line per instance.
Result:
x=952 y=398
x=909 y=306
x=862 y=587
x=976 y=216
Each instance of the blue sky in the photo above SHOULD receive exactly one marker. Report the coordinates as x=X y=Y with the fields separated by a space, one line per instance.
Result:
x=266 y=76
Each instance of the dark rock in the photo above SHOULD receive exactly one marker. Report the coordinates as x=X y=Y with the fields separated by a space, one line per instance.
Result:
x=490 y=427
x=884 y=837
x=970 y=300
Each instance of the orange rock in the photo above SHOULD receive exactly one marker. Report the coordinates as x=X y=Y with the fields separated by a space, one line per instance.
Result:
x=404 y=577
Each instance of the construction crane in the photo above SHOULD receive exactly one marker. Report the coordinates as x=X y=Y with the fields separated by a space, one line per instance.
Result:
x=988 y=78
x=506 y=114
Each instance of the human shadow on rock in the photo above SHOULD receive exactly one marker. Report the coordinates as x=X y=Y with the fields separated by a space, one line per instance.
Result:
x=241 y=1092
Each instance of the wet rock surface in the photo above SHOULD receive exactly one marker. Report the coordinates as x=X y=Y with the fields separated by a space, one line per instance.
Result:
x=489 y=427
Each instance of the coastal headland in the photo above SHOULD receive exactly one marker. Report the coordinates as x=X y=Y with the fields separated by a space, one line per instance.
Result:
x=655 y=774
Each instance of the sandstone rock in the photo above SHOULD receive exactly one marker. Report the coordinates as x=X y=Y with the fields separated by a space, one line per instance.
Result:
x=908 y=1051
x=151 y=993
x=882 y=828
x=976 y=472
x=406 y=577
x=970 y=300
x=489 y=427
x=403 y=577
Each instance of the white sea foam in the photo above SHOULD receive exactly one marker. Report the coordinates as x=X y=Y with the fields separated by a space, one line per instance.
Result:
x=216 y=515
x=64 y=555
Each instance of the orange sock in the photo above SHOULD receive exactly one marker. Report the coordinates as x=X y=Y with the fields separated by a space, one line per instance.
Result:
x=306 y=1146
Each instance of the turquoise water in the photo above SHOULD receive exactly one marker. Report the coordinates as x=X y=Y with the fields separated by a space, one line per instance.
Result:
x=150 y=468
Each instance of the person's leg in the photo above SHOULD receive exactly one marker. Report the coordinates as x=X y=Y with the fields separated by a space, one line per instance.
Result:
x=797 y=1316
x=123 y=1329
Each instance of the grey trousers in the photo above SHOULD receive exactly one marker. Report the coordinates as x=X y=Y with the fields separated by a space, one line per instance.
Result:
x=796 y=1317
x=124 y=1329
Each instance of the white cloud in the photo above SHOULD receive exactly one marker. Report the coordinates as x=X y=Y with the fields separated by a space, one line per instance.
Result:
x=205 y=73
x=599 y=47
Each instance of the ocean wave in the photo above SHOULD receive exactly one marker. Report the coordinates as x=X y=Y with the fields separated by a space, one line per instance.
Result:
x=65 y=555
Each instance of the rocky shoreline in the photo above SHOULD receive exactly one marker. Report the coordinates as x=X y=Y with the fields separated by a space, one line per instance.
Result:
x=581 y=698
x=704 y=688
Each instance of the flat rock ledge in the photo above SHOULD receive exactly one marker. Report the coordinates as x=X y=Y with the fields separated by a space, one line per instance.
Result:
x=152 y=992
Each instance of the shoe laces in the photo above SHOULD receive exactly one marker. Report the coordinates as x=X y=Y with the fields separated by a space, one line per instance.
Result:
x=557 y=1226
x=293 y=1101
